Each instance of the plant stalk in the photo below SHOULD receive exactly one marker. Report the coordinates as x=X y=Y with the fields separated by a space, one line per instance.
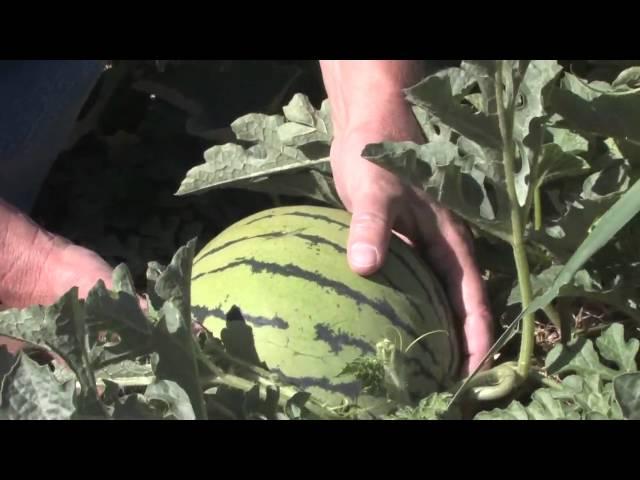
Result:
x=537 y=209
x=506 y=120
x=545 y=381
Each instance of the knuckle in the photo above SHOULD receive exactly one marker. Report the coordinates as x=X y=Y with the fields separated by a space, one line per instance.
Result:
x=368 y=218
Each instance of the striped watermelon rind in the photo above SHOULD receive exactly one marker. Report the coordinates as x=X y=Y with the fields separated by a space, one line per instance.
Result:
x=286 y=269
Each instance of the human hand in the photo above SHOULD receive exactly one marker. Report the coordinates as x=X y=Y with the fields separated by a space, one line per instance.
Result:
x=381 y=203
x=38 y=267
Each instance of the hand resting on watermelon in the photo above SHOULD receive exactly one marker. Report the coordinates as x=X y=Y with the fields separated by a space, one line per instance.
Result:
x=368 y=107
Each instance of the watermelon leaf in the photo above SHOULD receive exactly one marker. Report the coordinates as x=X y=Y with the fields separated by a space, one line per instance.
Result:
x=175 y=349
x=154 y=270
x=454 y=181
x=463 y=155
x=31 y=392
x=62 y=328
x=68 y=321
x=122 y=280
x=613 y=347
x=598 y=108
x=543 y=406
x=117 y=312
x=71 y=329
x=315 y=184
x=439 y=96
x=370 y=372
x=175 y=401
x=593 y=395
x=627 y=392
x=174 y=282
x=7 y=362
x=578 y=356
x=231 y=165
x=126 y=373
x=556 y=163
x=281 y=144
x=175 y=355
x=26 y=324
x=606 y=227
x=433 y=407
x=569 y=141
x=289 y=155
x=591 y=390
x=628 y=79
x=587 y=285
x=578 y=204
x=134 y=407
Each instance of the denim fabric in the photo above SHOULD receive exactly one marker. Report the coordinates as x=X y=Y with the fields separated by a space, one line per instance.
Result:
x=39 y=103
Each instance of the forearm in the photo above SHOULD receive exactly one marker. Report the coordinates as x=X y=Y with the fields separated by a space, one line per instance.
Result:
x=361 y=89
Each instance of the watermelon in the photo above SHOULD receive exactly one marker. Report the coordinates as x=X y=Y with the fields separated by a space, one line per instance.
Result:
x=286 y=270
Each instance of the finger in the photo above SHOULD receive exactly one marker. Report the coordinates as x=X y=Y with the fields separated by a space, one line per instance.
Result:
x=37 y=267
x=76 y=266
x=374 y=213
x=450 y=253
x=83 y=268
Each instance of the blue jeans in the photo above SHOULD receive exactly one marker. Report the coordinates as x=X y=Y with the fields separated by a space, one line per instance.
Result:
x=39 y=103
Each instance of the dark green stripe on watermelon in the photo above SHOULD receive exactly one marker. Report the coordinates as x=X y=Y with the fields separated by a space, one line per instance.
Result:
x=414 y=274
x=441 y=300
x=290 y=270
x=411 y=301
x=317 y=240
x=312 y=239
x=239 y=240
x=348 y=389
x=201 y=313
x=338 y=340
x=314 y=216
x=426 y=374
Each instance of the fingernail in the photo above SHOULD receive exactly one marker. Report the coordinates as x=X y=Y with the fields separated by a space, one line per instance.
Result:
x=363 y=255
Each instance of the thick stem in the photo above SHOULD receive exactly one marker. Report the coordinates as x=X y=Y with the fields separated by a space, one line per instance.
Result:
x=545 y=381
x=537 y=209
x=506 y=119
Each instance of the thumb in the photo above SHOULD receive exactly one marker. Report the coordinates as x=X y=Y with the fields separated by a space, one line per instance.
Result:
x=373 y=215
x=68 y=266
x=78 y=266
